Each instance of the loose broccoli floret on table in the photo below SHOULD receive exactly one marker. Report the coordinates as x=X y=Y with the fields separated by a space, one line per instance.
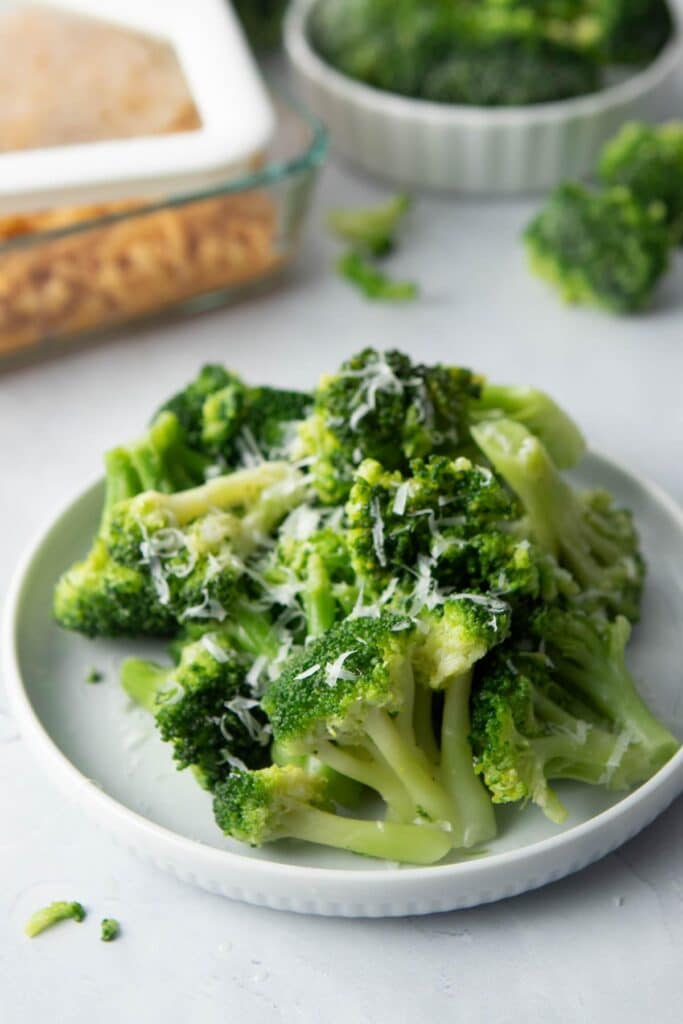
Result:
x=586 y=533
x=648 y=159
x=372 y=282
x=205 y=707
x=539 y=413
x=276 y=803
x=527 y=732
x=372 y=229
x=587 y=654
x=600 y=248
x=512 y=71
x=381 y=405
x=635 y=31
x=109 y=929
x=53 y=914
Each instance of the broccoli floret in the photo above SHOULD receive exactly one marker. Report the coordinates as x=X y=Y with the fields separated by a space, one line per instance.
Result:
x=438 y=531
x=382 y=406
x=635 y=31
x=309 y=577
x=53 y=914
x=204 y=706
x=600 y=248
x=539 y=413
x=338 y=700
x=109 y=929
x=648 y=159
x=586 y=533
x=587 y=654
x=372 y=230
x=275 y=803
x=252 y=425
x=372 y=282
x=94 y=676
x=191 y=544
x=188 y=404
x=100 y=597
x=526 y=732
x=512 y=71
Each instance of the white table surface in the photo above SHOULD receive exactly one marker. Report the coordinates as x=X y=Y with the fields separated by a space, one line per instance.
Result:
x=602 y=946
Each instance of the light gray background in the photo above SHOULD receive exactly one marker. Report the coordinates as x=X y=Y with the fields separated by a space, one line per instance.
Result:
x=604 y=945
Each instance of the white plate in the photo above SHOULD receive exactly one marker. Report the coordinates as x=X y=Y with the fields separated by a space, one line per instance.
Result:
x=104 y=754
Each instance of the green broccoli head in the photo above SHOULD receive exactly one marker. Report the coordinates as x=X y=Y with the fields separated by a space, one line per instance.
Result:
x=635 y=31
x=191 y=545
x=526 y=732
x=648 y=159
x=588 y=655
x=100 y=597
x=588 y=535
x=455 y=635
x=600 y=248
x=384 y=407
x=287 y=802
x=204 y=707
x=439 y=531
x=188 y=405
x=242 y=427
x=515 y=70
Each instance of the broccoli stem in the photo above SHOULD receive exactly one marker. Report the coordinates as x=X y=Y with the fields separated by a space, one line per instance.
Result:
x=539 y=413
x=374 y=775
x=423 y=723
x=457 y=766
x=411 y=766
x=240 y=489
x=318 y=599
x=144 y=681
x=122 y=480
x=46 y=917
x=411 y=844
x=252 y=631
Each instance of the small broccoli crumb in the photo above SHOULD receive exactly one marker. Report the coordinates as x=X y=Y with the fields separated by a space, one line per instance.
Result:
x=109 y=929
x=48 y=916
x=371 y=230
x=94 y=676
x=373 y=283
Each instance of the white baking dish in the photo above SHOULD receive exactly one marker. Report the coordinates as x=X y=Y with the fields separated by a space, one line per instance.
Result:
x=471 y=149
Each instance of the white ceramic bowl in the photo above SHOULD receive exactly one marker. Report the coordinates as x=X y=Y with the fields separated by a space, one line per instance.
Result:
x=471 y=149
x=107 y=757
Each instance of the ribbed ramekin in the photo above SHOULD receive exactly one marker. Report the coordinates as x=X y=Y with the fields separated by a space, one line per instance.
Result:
x=471 y=149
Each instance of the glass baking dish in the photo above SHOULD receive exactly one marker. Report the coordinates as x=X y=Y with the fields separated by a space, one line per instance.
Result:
x=68 y=271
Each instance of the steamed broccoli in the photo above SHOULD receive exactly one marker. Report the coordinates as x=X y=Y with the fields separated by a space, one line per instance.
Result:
x=600 y=248
x=373 y=229
x=381 y=405
x=109 y=929
x=514 y=70
x=191 y=544
x=440 y=530
x=527 y=731
x=233 y=423
x=204 y=706
x=586 y=533
x=587 y=654
x=53 y=914
x=539 y=413
x=275 y=803
x=635 y=31
x=648 y=159
x=372 y=282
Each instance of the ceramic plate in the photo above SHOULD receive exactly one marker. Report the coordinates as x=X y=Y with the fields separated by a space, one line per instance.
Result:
x=104 y=753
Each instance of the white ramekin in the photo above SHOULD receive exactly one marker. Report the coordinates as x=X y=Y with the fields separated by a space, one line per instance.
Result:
x=471 y=149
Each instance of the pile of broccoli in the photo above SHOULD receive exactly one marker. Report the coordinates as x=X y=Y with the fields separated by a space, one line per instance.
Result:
x=610 y=246
x=387 y=608
x=487 y=52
